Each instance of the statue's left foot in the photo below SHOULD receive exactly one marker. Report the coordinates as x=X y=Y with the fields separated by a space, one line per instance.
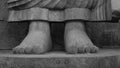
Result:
x=38 y=40
x=76 y=39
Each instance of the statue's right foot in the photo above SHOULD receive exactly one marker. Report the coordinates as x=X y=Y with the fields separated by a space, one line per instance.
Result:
x=37 y=41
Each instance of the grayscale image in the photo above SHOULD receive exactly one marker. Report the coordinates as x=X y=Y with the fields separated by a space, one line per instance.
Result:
x=59 y=33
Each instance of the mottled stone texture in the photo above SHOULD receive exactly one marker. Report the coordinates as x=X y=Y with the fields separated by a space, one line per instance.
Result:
x=3 y=10
x=57 y=33
x=104 y=34
x=49 y=15
x=11 y=34
x=9 y=31
x=104 y=59
x=101 y=33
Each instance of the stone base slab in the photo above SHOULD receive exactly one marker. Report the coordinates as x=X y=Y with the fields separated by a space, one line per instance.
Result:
x=105 y=58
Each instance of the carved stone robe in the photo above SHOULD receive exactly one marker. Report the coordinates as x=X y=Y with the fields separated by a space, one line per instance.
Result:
x=59 y=10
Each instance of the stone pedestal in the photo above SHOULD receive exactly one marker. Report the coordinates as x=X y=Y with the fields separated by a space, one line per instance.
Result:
x=105 y=58
x=11 y=34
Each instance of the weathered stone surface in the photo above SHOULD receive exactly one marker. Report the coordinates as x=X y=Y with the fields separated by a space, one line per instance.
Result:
x=76 y=38
x=49 y=15
x=56 y=15
x=11 y=34
x=57 y=34
x=3 y=10
x=23 y=4
x=104 y=34
x=36 y=14
x=77 y=13
x=14 y=3
x=29 y=14
x=103 y=59
x=102 y=11
x=10 y=1
x=108 y=10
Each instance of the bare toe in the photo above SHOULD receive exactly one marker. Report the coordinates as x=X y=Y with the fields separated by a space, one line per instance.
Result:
x=16 y=50
x=94 y=49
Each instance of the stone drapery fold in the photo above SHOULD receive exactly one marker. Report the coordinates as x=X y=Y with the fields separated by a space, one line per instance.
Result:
x=99 y=9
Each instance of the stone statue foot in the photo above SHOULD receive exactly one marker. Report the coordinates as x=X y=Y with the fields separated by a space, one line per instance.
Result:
x=76 y=39
x=37 y=41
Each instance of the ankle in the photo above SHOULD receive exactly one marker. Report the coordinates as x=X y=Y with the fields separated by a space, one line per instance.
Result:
x=39 y=26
